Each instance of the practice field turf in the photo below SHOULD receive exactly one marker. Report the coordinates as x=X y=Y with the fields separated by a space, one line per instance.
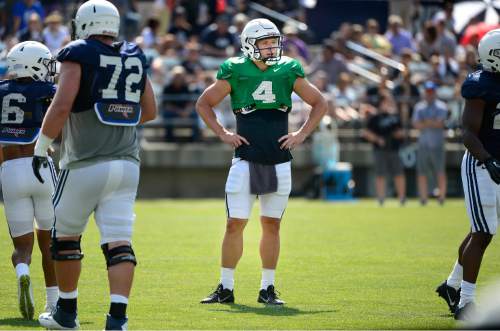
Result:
x=342 y=266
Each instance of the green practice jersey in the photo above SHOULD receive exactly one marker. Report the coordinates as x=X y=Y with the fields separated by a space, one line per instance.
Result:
x=261 y=101
x=252 y=88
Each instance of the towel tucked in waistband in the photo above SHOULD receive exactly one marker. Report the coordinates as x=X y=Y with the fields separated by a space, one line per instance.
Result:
x=263 y=179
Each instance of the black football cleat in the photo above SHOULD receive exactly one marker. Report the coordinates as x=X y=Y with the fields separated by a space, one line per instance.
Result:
x=220 y=295
x=450 y=295
x=269 y=297
x=116 y=323
x=465 y=313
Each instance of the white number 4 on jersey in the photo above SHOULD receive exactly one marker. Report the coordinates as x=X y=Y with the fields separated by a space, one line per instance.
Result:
x=264 y=92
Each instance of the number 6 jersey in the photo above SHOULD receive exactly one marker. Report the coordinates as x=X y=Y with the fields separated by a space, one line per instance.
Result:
x=101 y=126
x=23 y=107
x=261 y=101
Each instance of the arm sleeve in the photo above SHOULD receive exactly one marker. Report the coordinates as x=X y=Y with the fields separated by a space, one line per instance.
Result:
x=78 y=51
x=472 y=89
x=225 y=71
x=71 y=53
x=296 y=69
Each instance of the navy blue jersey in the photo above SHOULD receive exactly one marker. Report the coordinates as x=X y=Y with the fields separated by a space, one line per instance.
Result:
x=114 y=74
x=486 y=86
x=24 y=105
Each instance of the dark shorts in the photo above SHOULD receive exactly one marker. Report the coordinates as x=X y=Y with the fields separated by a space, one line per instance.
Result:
x=387 y=163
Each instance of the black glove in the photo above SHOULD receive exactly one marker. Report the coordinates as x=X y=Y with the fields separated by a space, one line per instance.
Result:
x=37 y=162
x=493 y=167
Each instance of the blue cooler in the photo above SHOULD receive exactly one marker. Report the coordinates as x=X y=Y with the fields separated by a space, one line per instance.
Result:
x=337 y=182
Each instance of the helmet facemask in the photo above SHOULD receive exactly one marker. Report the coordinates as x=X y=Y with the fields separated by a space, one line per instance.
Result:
x=257 y=55
x=50 y=65
x=492 y=61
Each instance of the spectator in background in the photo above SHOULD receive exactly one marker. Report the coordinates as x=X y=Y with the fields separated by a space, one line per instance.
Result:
x=427 y=41
x=239 y=22
x=34 y=29
x=194 y=68
x=406 y=94
x=444 y=70
x=178 y=106
x=373 y=93
x=181 y=28
x=292 y=39
x=428 y=117
x=129 y=18
x=470 y=61
x=446 y=15
x=446 y=41
x=330 y=62
x=55 y=35
x=397 y=36
x=149 y=33
x=374 y=40
x=22 y=11
x=345 y=101
x=385 y=132
x=217 y=40
x=357 y=32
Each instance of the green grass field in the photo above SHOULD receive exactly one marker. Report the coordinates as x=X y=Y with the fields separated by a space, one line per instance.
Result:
x=342 y=266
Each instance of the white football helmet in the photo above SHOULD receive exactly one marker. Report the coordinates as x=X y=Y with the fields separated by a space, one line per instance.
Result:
x=489 y=51
x=97 y=17
x=258 y=29
x=31 y=59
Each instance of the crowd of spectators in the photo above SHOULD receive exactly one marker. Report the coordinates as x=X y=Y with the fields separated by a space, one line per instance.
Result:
x=187 y=40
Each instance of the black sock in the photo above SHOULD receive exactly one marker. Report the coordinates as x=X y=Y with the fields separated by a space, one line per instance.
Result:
x=118 y=310
x=67 y=305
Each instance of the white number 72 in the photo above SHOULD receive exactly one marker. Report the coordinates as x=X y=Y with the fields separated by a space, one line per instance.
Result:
x=110 y=92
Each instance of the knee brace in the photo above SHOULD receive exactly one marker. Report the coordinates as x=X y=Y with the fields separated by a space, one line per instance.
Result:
x=57 y=246
x=113 y=256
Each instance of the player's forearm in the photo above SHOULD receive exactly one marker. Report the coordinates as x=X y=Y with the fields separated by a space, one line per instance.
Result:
x=54 y=121
x=208 y=116
x=475 y=146
x=317 y=112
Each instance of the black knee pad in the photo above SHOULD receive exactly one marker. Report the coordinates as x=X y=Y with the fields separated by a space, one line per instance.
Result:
x=57 y=246
x=112 y=258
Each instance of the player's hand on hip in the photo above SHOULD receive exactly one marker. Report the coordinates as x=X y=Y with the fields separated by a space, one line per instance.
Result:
x=233 y=139
x=493 y=167
x=291 y=140
x=36 y=164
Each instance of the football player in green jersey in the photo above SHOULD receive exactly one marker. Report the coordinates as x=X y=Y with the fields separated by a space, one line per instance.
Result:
x=260 y=84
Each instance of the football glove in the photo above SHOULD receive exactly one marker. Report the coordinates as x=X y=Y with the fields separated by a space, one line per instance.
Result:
x=493 y=167
x=37 y=163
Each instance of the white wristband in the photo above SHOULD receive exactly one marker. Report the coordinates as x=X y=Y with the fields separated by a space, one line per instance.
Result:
x=42 y=144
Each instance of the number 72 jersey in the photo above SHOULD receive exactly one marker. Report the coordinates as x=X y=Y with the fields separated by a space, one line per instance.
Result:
x=113 y=79
x=253 y=89
x=485 y=85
